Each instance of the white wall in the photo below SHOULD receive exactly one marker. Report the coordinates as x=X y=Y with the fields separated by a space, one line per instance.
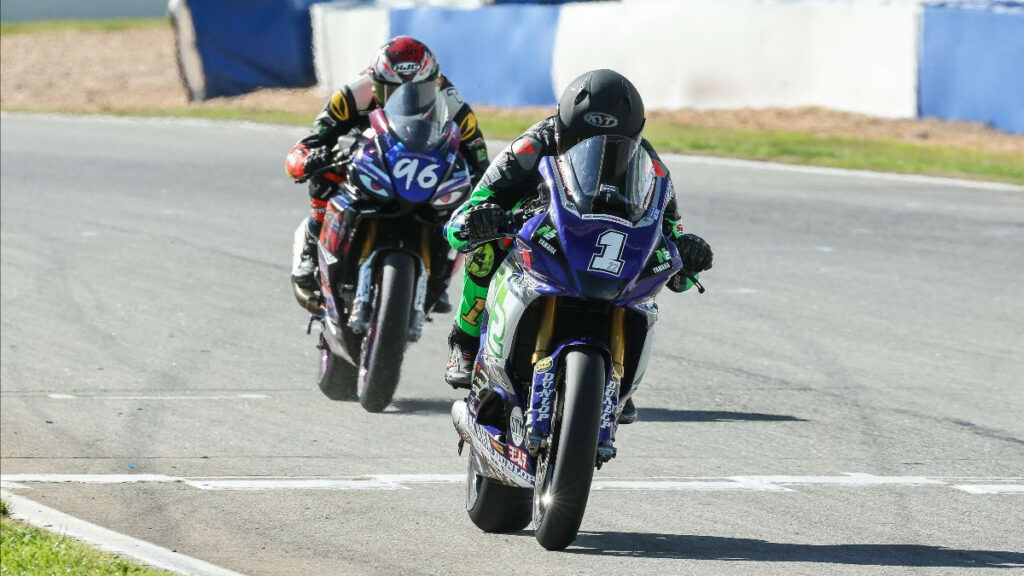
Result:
x=707 y=54
x=344 y=41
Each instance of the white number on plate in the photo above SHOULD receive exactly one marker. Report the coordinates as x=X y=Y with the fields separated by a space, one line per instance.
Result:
x=409 y=168
x=609 y=259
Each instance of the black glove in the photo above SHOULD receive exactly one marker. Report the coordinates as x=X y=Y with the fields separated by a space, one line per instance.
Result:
x=318 y=159
x=483 y=222
x=696 y=253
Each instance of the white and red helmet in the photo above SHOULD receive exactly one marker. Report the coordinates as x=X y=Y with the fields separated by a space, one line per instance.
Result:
x=401 y=59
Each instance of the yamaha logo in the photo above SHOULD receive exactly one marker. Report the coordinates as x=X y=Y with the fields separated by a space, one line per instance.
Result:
x=407 y=67
x=600 y=119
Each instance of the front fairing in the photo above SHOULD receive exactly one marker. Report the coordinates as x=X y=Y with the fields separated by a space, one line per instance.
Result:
x=386 y=170
x=597 y=256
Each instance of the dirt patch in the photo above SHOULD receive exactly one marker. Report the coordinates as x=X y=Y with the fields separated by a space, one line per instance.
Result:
x=83 y=71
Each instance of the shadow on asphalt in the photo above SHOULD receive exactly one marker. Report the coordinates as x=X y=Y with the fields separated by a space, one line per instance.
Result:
x=671 y=415
x=684 y=547
x=419 y=406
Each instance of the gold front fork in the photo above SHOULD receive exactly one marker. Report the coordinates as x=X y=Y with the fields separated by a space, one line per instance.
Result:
x=369 y=241
x=618 y=342
x=546 y=329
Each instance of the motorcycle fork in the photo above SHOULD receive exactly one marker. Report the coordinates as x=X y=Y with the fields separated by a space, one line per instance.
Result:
x=545 y=329
x=617 y=341
x=425 y=246
x=369 y=241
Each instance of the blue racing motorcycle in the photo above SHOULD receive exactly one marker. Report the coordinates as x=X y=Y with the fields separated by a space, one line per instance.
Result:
x=565 y=339
x=383 y=261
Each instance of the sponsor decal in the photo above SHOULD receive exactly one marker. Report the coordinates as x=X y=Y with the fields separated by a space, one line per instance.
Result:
x=544 y=394
x=468 y=126
x=527 y=152
x=677 y=229
x=544 y=364
x=480 y=262
x=544 y=244
x=452 y=93
x=339 y=106
x=608 y=405
x=407 y=67
x=497 y=462
x=517 y=456
x=662 y=267
x=517 y=426
x=547 y=232
x=600 y=120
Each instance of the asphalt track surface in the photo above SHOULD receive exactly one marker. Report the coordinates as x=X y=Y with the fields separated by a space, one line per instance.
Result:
x=852 y=325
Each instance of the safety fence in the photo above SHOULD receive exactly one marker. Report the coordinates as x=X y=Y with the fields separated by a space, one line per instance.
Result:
x=893 y=59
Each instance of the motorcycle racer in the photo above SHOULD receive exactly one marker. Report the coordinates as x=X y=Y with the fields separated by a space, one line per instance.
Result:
x=401 y=60
x=599 y=102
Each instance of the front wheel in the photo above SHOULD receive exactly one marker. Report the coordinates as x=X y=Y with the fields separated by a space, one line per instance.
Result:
x=566 y=469
x=383 y=347
x=495 y=507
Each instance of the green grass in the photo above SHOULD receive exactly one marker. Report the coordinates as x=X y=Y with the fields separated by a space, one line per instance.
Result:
x=786 y=147
x=115 y=25
x=30 y=551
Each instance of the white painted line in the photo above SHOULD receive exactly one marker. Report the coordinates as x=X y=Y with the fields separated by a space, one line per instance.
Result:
x=991 y=488
x=44 y=517
x=692 y=486
x=979 y=485
x=215 y=397
x=90 y=478
x=5 y=485
x=314 y=484
x=850 y=479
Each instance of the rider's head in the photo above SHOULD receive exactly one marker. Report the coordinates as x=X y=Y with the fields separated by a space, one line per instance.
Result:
x=598 y=103
x=401 y=59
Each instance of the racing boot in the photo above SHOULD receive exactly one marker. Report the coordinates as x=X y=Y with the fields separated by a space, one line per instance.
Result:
x=443 y=305
x=463 y=347
x=629 y=414
x=304 y=273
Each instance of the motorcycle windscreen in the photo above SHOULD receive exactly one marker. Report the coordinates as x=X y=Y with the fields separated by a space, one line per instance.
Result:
x=417 y=116
x=609 y=175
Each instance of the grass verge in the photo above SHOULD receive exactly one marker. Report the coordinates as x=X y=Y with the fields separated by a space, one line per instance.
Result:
x=785 y=147
x=30 y=551
x=115 y=25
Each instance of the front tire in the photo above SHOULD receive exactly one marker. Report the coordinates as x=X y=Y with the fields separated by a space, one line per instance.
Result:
x=495 y=507
x=383 y=347
x=566 y=469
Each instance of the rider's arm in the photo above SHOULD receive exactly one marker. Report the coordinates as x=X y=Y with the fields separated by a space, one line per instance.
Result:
x=345 y=110
x=512 y=175
x=471 y=145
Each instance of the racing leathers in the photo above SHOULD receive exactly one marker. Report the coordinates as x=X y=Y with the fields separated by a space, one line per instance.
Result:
x=511 y=178
x=347 y=112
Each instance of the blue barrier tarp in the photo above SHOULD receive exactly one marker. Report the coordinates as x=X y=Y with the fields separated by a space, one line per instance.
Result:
x=972 y=65
x=490 y=60
x=249 y=44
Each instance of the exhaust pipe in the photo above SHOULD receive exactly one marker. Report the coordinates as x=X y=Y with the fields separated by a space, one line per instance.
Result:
x=495 y=465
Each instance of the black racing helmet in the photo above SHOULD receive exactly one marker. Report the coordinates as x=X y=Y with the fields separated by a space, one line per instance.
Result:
x=598 y=103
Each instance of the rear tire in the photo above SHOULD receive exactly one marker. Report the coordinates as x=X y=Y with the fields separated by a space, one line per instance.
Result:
x=564 y=475
x=495 y=507
x=336 y=376
x=383 y=347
